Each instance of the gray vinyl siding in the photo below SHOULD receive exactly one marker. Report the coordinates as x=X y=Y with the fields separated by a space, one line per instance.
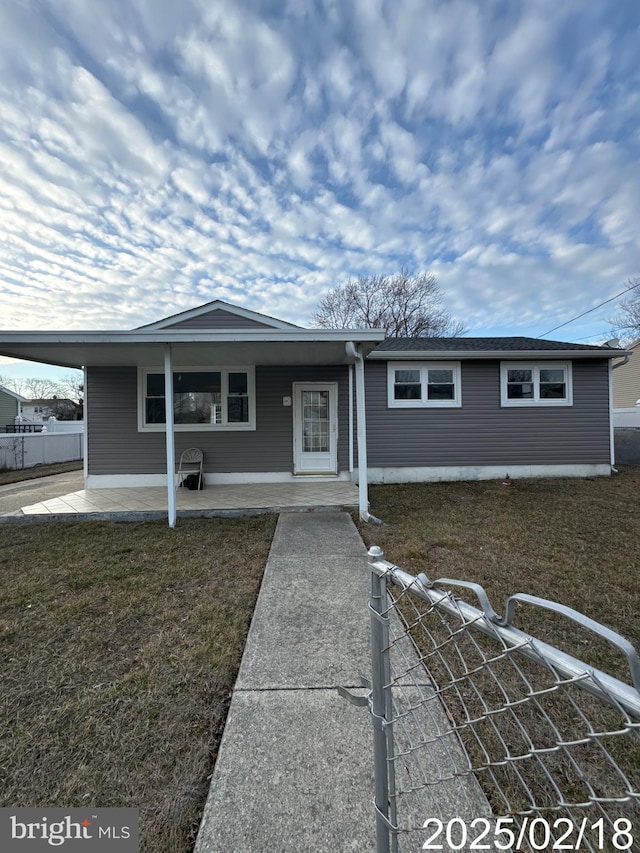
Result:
x=116 y=447
x=8 y=410
x=219 y=319
x=481 y=432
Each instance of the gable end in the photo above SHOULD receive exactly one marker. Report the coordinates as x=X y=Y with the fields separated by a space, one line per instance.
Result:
x=218 y=315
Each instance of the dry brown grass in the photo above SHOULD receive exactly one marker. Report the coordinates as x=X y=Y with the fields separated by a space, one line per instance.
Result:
x=120 y=648
x=573 y=541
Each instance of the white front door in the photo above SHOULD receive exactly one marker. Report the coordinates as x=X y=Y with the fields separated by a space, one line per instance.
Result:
x=315 y=428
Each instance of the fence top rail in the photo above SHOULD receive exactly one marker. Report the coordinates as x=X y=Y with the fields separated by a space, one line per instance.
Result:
x=487 y=621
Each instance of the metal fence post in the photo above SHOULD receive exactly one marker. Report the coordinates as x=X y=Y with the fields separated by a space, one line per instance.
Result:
x=380 y=704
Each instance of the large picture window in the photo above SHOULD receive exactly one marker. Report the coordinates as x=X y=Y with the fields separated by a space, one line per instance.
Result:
x=421 y=385
x=203 y=399
x=536 y=383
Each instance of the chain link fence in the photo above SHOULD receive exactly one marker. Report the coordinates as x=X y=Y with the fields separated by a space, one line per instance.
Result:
x=488 y=738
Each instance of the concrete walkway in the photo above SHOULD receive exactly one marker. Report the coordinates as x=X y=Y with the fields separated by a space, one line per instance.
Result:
x=16 y=495
x=295 y=766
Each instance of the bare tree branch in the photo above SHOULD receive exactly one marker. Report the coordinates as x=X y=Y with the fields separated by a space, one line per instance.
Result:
x=626 y=324
x=405 y=305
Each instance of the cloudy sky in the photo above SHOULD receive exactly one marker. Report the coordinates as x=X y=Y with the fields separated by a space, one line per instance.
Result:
x=155 y=155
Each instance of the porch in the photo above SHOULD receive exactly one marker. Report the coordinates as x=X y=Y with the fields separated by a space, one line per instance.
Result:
x=214 y=500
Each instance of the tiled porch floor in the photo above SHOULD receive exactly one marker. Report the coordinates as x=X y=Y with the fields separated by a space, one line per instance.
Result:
x=263 y=496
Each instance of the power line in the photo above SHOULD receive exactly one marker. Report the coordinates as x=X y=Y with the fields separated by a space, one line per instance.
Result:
x=607 y=332
x=584 y=313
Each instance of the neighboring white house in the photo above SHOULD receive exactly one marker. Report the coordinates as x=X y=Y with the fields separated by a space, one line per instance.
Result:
x=10 y=407
x=39 y=411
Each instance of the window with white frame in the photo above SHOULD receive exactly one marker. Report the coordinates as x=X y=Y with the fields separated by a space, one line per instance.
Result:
x=542 y=383
x=203 y=399
x=419 y=384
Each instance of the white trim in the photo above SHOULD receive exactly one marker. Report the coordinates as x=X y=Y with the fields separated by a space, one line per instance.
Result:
x=535 y=367
x=448 y=473
x=424 y=367
x=190 y=336
x=224 y=427
x=142 y=481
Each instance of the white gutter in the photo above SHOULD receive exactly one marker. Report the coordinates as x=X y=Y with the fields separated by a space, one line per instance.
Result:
x=170 y=436
x=363 y=472
x=373 y=336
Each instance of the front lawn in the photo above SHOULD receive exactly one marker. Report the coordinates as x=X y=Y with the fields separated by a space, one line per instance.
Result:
x=120 y=647
x=575 y=541
x=533 y=741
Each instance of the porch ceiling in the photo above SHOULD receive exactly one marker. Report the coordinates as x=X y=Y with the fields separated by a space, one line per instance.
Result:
x=304 y=346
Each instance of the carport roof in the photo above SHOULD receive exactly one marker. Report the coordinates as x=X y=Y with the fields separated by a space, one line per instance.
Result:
x=189 y=347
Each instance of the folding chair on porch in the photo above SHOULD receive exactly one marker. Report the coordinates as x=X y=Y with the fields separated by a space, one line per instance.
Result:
x=191 y=461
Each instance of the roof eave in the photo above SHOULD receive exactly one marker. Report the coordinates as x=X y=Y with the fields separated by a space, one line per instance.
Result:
x=192 y=336
x=291 y=346
x=455 y=355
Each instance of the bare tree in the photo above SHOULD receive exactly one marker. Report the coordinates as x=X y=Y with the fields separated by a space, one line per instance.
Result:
x=40 y=389
x=12 y=384
x=405 y=305
x=627 y=323
x=35 y=388
x=71 y=386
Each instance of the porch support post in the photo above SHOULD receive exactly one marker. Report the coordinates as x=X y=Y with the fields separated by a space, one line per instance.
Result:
x=171 y=450
x=363 y=486
x=85 y=428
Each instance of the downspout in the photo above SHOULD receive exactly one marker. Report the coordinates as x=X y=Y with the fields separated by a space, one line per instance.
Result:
x=170 y=435
x=351 y=419
x=612 y=434
x=363 y=474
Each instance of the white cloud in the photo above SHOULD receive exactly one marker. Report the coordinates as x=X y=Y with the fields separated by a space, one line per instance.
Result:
x=176 y=154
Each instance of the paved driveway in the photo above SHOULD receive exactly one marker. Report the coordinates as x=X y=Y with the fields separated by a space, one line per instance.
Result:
x=17 y=495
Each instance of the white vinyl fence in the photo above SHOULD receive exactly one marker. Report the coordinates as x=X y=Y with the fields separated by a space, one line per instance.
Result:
x=54 y=425
x=28 y=449
x=627 y=418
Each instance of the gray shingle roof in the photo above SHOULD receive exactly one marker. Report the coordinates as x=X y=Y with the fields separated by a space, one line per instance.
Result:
x=480 y=345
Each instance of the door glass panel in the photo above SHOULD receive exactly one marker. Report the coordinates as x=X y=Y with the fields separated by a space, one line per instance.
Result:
x=315 y=421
